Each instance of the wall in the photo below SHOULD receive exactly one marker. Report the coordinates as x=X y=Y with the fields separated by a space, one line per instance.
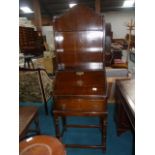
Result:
x=46 y=21
x=48 y=32
x=118 y=19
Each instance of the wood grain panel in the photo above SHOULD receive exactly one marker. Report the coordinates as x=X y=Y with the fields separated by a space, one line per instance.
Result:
x=80 y=83
x=81 y=105
x=76 y=20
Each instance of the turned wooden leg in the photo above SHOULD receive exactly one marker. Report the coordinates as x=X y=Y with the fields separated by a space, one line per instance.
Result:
x=64 y=128
x=56 y=123
x=64 y=123
x=104 y=126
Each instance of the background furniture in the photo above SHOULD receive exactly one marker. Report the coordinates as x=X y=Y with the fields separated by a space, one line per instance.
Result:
x=41 y=145
x=125 y=105
x=30 y=41
x=112 y=76
x=108 y=40
x=125 y=108
x=80 y=87
x=129 y=37
x=27 y=115
x=48 y=62
x=28 y=63
x=34 y=86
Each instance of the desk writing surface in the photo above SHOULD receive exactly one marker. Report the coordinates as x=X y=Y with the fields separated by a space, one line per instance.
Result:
x=85 y=83
x=127 y=88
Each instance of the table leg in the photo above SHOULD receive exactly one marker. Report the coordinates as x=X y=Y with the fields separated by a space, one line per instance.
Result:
x=64 y=123
x=56 y=123
x=103 y=121
x=32 y=64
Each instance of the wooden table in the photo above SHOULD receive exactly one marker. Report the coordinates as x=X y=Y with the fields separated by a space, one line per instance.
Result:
x=125 y=105
x=41 y=145
x=26 y=116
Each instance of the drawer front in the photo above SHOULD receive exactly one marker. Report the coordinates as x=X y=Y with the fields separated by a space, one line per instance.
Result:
x=83 y=105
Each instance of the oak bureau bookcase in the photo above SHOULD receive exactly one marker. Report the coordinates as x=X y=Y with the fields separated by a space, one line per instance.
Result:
x=80 y=87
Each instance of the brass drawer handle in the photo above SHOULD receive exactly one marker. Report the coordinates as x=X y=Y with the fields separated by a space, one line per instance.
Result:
x=79 y=73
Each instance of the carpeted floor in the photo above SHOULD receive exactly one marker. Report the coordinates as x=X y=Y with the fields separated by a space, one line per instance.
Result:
x=116 y=145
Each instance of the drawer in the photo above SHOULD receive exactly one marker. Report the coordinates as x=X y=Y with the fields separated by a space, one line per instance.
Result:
x=83 y=105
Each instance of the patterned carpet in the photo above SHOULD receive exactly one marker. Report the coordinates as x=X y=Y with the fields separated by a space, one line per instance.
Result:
x=116 y=145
